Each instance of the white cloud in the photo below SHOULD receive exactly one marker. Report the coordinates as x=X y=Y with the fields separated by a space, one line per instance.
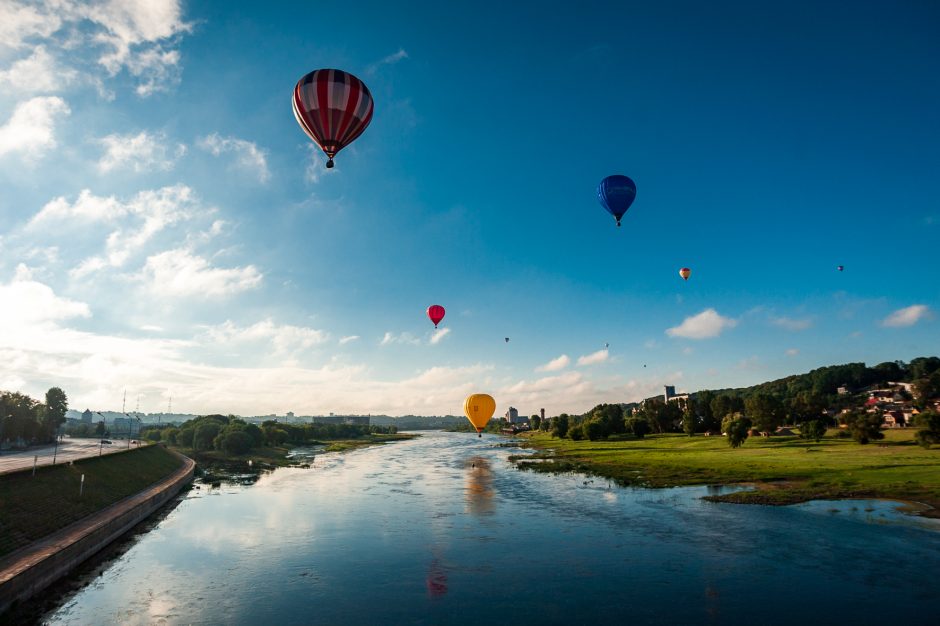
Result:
x=404 y=338
x=555 y=364
x=31 y=129
x=438 y=335
x=21 y=22
x=179 y=273
x=792 y=352
x=248 y=156
x=285 y=340
x=35 y=303
x=344 y=340
x=135 y=35
x=595 y=357
x=706 y=324
x=907 y=316
x=142 y=152
x=790 y=323
x=389 y=60
x=137 y=221
x=37 y=73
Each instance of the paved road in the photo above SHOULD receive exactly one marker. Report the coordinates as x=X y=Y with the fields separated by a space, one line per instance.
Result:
x=69 y=450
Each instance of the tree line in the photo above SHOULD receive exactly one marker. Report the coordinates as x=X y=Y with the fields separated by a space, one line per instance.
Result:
x=804 y=400
x=234 y=435
x=25 y=421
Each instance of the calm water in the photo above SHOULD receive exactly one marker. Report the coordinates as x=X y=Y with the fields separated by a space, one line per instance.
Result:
x=442 y=529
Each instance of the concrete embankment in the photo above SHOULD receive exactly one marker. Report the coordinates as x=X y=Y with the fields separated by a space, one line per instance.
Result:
x=31 y=569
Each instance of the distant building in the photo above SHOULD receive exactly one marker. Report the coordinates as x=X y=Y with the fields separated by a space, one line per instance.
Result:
x=86 y=416
x=512 y=416
x=542 y=414
x=671 y=395
x=843 y=390
x=290 y=415
x=125 y=425
x=357 y=420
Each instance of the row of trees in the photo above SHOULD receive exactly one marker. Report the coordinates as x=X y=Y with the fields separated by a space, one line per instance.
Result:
x=234 y=435
x=25 y=421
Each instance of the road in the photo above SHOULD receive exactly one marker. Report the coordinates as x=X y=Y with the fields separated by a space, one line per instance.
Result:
x=69 y=450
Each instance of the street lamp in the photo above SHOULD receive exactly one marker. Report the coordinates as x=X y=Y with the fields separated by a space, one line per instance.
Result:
x=101 y=438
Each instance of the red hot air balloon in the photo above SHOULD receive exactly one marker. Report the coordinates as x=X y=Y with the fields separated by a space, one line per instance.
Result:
x=685 y=273
x=436 y=314
x=333 y=107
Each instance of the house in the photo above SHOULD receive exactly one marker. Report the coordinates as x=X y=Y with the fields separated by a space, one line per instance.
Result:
x=893 y=419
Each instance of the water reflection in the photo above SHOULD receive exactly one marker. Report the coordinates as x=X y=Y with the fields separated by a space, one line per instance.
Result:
x=479 y=489
x=411 y=533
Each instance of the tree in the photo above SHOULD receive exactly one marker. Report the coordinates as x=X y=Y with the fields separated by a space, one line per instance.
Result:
x=576 y=432
x=927 y=388
x=929 y=433
x=689 y=421
x=534 y=422
x=236 y=442
x=703 y=408
x=639 y=427
x=594 y=429
x=765 y=411
x=560 y=426
x=57 y=403
x=737 y=431
x=812 y=429
x=204 y=435
x=864 y=426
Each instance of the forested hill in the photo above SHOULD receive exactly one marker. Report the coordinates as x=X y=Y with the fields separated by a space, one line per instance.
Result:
x=922 y=371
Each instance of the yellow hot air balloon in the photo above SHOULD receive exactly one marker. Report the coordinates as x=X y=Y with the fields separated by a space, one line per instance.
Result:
x=479 y=408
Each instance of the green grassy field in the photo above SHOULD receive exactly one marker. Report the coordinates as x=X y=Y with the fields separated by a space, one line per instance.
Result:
x=32 y=507
x=785 y=470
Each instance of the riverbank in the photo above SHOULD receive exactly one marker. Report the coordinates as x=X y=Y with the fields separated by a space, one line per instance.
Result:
x=40 y=562
x=221 y=465
x=33 y=507
x=782 y=470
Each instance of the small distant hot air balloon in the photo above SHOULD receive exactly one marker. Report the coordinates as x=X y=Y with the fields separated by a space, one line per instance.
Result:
x=507 y=339
x=333 y=107
x=479 y=408
x=840 y=268
x=616 y=194
x=685 y=273
x=436 y=314
x=606 y=345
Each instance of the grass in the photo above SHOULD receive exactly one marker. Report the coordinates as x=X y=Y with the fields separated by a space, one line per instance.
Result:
x=32 y=507
x=785 y=470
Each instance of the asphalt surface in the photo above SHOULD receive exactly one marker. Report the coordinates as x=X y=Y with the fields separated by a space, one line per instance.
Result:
x=69 y=450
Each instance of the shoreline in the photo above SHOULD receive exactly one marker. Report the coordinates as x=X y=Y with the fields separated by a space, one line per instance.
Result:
x=670 y=461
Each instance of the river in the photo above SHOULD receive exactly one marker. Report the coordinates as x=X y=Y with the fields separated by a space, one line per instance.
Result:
x=443 y=529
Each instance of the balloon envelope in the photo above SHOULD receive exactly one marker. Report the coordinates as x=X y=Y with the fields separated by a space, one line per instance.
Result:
x=840 y=268
x=479 y=408
x=685 y=273
x=333 y=107
x=616 y=194
x=436 y=314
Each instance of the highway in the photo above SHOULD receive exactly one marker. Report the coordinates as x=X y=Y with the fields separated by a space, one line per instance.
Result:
x=69 y=450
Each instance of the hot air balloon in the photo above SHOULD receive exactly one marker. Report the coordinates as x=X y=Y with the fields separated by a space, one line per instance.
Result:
x=436 y=314
x=333 y=107
x=479 y=408
x=507 y=339
x=685 y=273
x=840 y=268
x=606 y=345
x=616 y=194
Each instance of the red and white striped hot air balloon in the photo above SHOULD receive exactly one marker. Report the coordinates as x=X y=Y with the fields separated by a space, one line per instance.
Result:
x=333 y=107
x=685 y=273
x=436 y=314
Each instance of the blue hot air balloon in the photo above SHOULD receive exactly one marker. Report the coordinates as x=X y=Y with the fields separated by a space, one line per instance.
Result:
x=616 y=194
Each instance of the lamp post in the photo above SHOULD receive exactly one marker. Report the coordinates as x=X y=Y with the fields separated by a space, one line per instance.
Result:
x=101 y=438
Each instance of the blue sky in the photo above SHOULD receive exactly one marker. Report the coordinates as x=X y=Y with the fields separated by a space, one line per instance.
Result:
x=168 y=229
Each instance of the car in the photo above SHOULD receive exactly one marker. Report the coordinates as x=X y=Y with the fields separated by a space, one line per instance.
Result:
x=106 y=441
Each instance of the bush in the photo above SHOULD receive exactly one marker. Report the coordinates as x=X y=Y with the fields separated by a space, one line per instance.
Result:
x=864 y=426
x=576 y=432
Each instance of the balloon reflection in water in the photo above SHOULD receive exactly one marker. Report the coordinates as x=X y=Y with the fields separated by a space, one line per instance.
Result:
x=437 y=579
x=479 y=491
